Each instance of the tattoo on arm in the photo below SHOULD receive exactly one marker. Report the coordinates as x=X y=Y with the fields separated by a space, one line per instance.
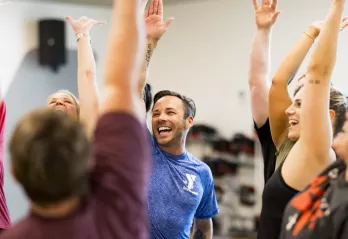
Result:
x=316 y=82
x=148 y=54
x=199 y=235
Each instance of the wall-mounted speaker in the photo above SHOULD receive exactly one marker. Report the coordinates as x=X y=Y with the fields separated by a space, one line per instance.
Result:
x=52 y=50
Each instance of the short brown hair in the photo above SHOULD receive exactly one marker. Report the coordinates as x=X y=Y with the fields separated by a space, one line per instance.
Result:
x=189 y=104
x=49 y=154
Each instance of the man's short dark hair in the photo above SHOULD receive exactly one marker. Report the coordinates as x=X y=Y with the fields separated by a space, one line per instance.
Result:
x=189 y=104
x=147 y=96
x=49 y=154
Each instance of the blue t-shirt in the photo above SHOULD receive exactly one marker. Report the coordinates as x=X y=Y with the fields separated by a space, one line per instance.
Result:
x=181 y=189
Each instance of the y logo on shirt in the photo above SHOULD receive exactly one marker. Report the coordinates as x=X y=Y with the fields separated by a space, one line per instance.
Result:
x=190 y=183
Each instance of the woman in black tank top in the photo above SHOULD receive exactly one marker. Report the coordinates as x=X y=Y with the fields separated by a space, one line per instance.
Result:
x=310 y=115
x=321 y=209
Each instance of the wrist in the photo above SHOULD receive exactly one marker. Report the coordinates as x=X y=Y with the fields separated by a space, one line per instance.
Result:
x=152 y=41
x=264 y=33
x=265 y=30
x=313 y=32
x=83 y=37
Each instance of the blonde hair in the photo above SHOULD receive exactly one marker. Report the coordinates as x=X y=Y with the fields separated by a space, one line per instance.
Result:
x=75 y=100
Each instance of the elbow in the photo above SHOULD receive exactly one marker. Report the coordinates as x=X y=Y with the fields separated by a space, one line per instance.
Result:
x=278 y=79
x=90 y=73
x=320 y=69
x=275 y=81
x=279 y=82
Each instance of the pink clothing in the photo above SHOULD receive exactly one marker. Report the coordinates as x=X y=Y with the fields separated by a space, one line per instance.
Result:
x=5 y=221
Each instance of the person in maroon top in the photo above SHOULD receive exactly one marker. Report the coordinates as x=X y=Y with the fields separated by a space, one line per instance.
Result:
x=5 y=221
x=75 y=193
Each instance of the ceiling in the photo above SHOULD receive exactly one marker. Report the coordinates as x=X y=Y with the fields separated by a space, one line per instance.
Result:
x=102 y=3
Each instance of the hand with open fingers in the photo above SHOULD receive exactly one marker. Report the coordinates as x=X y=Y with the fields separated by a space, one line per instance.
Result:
x=83 y=24
x=266 y=14
x=155 y=27
x=143 y=5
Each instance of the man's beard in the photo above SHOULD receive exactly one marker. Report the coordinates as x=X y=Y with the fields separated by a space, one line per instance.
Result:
x=177 y=138
x=174 y=141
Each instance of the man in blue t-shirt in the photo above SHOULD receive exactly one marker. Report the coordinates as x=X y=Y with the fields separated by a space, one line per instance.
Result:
x=181 y=187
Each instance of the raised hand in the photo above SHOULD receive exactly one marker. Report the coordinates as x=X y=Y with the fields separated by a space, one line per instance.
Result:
x=155 y=27
x=266 y=14
x=83 y=24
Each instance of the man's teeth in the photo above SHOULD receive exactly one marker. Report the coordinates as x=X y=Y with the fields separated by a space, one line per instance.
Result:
x=163 y=129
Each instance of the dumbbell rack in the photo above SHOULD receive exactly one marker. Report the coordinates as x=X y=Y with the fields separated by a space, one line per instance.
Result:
x=235 y=219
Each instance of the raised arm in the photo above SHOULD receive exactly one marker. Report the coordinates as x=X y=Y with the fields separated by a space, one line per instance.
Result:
x=121 y=148
x=266 y=15
x=86 y=74
x=124 y=59
x=316 y=130
x=279 y=99
x=155 y=28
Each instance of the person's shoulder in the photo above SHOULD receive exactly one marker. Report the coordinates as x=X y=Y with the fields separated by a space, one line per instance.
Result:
x=203 y=168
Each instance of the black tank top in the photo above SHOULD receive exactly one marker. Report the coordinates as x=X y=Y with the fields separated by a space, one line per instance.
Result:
x=275 y=197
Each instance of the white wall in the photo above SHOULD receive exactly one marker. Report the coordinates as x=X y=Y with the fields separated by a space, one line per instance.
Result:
x=203 y=55
x=20 y=33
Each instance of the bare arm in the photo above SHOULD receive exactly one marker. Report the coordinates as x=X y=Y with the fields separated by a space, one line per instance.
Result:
x=259 y=88
x=149 y=49
x=316 y=129
x=266 y=16
x=86 y=74
x=155 y=28
x=124 y=59
x=279 y=99
x=203 y=229
x=312 y=152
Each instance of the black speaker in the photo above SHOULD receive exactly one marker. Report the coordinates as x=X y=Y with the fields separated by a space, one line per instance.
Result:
x=52 y=51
